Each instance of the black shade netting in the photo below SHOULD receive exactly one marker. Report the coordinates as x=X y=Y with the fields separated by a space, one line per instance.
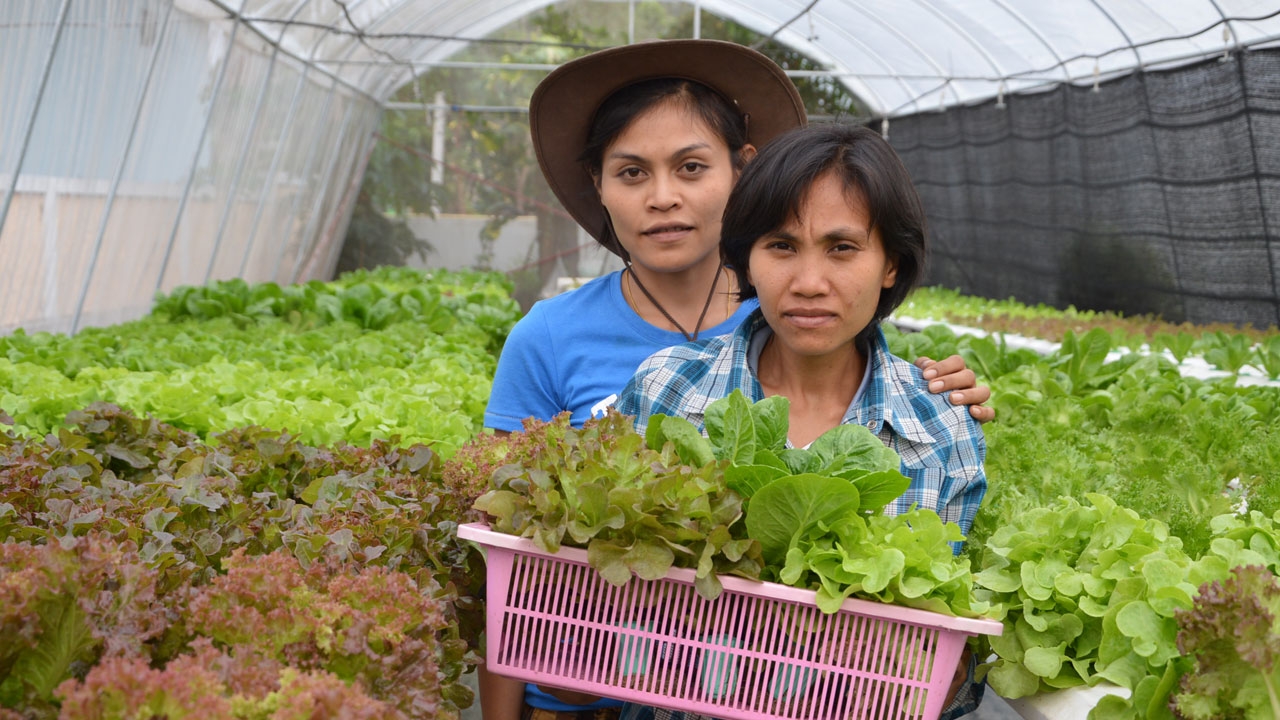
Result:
x=1158 y=192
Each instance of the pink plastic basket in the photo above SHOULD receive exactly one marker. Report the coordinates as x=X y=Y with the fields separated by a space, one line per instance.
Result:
x=760 y=650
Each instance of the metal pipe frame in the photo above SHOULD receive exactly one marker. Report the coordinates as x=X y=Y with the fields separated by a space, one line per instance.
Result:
x=306 y=173
x=124 y=162
x=956 y=28
x=318 y=203
x=1026 y=25
x=281 y=143
x=355 y=178
x=908 y=42
x=242 y=20
x=35 y=110
x=240 y=163
x=195 y=160
x=1137 y=56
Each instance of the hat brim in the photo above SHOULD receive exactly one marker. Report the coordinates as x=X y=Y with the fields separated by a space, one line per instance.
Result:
x=565 y=102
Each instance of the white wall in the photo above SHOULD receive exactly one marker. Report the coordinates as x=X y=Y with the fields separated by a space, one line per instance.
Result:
x=456 y=239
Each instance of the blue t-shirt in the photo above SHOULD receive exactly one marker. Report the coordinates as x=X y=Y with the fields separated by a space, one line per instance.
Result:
x=576 y=350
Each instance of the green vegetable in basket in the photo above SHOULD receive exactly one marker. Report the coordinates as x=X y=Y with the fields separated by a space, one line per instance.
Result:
x=736 y=501
x=818 y=512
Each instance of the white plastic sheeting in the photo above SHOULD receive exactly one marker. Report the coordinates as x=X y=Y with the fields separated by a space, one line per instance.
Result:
x=900 y=56
x=143 y=147
x=146 y=144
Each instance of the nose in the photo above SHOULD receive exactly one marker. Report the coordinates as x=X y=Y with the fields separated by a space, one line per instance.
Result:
x=809 y=275
x=664 y=193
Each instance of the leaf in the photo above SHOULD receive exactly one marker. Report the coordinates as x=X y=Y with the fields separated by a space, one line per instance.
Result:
x=799 y=461
x=853 y=447
x=1138 y=621
x=731 y=428
x=690 y=445
x=1012 y=680
x=789 y=506
x=311 y=493
x=771 y=417
x=878 y=489
x=1044 y=662
x=607 y=559
x=747 y=479
x=127 y=455
x=649 y=560
x=65 y=638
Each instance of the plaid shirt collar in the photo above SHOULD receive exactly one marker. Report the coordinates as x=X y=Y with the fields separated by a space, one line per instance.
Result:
x=887 y=399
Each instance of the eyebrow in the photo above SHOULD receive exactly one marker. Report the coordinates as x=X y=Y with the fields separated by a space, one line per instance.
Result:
x=678 y=153
x=844 y=232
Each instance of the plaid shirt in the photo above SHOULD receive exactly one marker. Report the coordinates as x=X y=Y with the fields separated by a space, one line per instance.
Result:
x=941 y=446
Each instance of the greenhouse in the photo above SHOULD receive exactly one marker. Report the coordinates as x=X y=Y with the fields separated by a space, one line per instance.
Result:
x=305 y=411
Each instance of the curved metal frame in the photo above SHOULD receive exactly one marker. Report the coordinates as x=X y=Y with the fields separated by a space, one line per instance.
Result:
x=281 y=143
x=1123 y=33
x=195 y=160
x=119 y=174
x=916 y=48
x=240 y=164
x=1003 y=5
x=305 y=246
x=306 y=171
x=35 y=110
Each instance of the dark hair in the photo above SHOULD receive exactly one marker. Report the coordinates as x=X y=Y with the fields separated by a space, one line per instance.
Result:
x=621 y=108
x=771 y=188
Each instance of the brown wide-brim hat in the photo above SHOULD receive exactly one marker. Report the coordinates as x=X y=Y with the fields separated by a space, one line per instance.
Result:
x=565 y=103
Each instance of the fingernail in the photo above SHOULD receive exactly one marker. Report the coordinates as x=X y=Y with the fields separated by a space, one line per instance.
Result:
x=930 y=374
x=935 y=386
x=957 y=398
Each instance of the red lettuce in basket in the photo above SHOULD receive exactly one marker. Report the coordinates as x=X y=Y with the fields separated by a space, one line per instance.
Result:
x=638 y=512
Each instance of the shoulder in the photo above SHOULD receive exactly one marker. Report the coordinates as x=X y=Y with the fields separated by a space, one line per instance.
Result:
x=679 y=381
x=681 y=366
x=575 y=312
x=590 y=295
x=916 y=412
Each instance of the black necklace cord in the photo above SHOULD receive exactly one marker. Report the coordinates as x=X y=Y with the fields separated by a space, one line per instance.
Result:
x=667 y=315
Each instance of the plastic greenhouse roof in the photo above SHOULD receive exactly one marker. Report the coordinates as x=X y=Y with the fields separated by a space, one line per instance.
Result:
x=899 y=57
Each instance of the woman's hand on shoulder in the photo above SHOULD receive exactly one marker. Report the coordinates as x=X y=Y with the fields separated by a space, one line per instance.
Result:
x=951 y=375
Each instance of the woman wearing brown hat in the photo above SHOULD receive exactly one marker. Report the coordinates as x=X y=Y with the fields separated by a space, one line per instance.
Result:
x=642 y=145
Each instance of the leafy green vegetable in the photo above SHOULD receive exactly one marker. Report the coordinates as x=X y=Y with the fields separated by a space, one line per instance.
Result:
x=110 y=528
x=1089 y=592
x=813 y=517
x=1233 y=635
x=638 y=511
x=364 y=358
x=795 y=508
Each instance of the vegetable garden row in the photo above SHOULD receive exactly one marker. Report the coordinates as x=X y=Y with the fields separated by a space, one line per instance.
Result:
x=245 y=504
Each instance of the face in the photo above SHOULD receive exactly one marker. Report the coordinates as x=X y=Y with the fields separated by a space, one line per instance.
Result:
x=664 y=182
x=820 y=275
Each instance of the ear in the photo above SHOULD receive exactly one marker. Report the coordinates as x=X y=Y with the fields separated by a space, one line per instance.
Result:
x=747 y=154
x=890 y=273
x=595 y=180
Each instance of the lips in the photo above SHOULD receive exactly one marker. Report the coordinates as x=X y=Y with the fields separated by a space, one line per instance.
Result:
x=666 y=230
x=808 y=317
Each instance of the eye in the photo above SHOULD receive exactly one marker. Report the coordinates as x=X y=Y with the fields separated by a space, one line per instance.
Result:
x=630 y=173
x=692 y=167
